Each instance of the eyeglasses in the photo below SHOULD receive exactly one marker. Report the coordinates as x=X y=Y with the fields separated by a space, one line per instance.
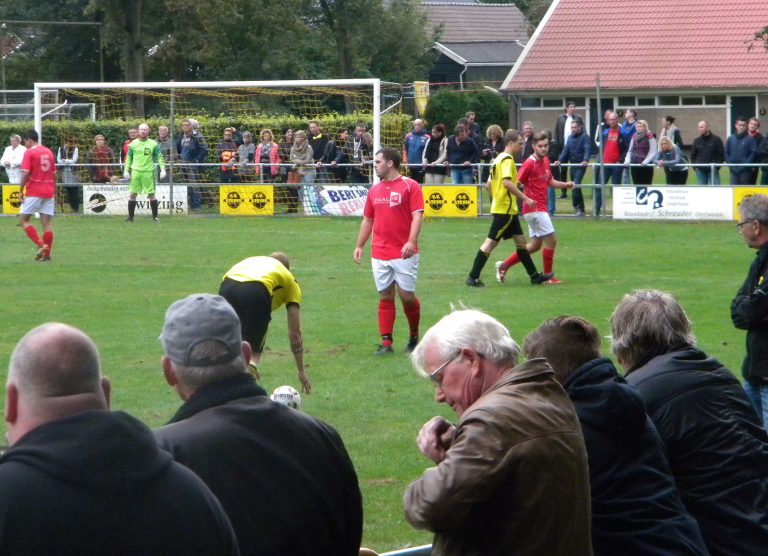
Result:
x=435 y=377
x=740 y=225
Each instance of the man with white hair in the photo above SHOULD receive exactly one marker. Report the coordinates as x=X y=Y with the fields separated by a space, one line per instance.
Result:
x=717 y=447
x=284 y=478
x=11 y=160
x=80 y=479
x=511 y=475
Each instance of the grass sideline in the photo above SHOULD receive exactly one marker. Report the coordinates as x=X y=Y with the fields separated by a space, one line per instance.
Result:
x=115 y=280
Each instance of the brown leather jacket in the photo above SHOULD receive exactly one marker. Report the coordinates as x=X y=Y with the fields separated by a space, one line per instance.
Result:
x=515 y=479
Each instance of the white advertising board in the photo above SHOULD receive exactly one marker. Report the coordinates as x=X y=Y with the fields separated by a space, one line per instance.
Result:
x=673 y=203
x=112 y=200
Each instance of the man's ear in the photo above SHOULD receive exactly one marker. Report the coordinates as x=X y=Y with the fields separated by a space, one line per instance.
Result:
x=247 y=351
x=11 y=403
x=168 y=372
x=106 y=387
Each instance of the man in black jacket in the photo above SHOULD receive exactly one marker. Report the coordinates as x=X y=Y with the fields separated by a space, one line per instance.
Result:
x=631 y=484
x=284 y=478
x=707 y=148
x=749 y=309
x=717 y=447
x=79 y=479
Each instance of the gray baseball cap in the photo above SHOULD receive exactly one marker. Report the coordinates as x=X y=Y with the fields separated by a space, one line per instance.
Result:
x=201 y=317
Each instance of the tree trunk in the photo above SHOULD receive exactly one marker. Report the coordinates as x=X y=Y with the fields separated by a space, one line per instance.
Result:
x=134 y=52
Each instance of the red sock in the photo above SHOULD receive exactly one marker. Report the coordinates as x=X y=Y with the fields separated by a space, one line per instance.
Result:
x=413 y=314
x=48 y=240
x=32 y=234
x=386 y=317
x=513 y=259
x=547 y=255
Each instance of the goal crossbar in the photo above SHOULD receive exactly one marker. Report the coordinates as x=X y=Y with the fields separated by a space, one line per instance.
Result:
x=375 y=84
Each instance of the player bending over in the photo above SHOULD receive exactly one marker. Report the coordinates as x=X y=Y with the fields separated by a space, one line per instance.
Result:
x=143 y=154
x=536 y=176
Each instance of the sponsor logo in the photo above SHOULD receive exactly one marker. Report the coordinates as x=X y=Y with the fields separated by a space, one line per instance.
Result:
x=97 y=203
x=259 y=200
x=233 y=199
x=394 y=199
x=643 y=195
x=13 y=198
x=462 y=201
x=436 y=200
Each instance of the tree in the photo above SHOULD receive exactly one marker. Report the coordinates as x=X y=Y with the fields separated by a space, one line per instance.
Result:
x=47 y=52
x=761 y=36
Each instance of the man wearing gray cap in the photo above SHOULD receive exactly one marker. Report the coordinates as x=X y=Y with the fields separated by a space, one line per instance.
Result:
x=284 y=478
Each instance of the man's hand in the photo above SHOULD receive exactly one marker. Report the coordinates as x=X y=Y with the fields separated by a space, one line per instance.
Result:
x=306 y=386
x=357 y=254
x=408 y=250
x=585 y=162
x=127 y=175
x=530 y=203
x=570 y=184
x=162 y=173
x=435 y=438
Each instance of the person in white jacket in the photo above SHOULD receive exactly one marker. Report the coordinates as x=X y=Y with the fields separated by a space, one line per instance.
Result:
x=11 y=159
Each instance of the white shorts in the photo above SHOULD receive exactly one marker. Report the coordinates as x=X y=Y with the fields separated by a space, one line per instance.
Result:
x=31 y=205
x=401 y=271
x=539 y=224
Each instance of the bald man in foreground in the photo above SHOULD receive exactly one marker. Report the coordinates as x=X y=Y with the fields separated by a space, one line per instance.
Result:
x=79 y=479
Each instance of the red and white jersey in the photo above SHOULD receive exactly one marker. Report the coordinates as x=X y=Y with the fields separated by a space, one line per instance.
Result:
x=535 y=175
x=391 y=204
x=40 y=164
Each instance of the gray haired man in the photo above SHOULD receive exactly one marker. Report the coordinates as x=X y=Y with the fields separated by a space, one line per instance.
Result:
x=284 y=478
x=511 y=475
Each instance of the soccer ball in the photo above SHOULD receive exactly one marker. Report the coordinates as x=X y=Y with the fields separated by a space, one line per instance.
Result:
x=287 y=395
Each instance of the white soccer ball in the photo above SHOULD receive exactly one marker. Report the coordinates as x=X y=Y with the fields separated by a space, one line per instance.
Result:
x=287 y=395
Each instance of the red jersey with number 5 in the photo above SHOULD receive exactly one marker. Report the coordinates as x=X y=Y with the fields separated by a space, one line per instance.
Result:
x=39 y=162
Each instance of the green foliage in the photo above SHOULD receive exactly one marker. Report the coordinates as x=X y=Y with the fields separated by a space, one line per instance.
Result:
x=115 y=282
x=447 y=106
x=81 y=132
x=188 y=40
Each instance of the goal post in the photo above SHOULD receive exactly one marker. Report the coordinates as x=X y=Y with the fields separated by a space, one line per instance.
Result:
x=338 y=105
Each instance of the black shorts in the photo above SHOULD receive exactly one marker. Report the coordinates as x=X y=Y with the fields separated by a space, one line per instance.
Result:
x=253 y=304
x=504 y=226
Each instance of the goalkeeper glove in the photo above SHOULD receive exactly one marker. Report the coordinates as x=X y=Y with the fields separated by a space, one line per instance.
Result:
x=162 y=173
x=127 y=175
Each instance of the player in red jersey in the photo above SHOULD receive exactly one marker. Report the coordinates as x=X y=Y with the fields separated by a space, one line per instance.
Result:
x=393 y=212
x=536 y=176
x=37 y=191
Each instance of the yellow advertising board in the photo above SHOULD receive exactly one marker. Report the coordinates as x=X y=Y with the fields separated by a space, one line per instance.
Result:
x=739 y=193
x=247 y=200
x=11 y=201
x=450 y=200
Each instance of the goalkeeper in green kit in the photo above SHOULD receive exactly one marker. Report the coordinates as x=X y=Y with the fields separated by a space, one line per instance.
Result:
x=143 y=154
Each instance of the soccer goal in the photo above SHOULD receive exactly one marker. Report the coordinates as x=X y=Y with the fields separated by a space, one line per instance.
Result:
x=228 y=120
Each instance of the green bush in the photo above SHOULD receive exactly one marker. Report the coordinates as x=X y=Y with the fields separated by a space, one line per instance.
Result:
x=81 y=132
x=447 y=106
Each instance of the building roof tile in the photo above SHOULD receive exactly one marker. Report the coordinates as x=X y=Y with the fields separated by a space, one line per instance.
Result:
x=472 y=22
x=658 y=45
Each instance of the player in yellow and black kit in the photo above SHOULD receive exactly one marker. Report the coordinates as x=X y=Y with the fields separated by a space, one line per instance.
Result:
x=257 y=286
x=502 y=187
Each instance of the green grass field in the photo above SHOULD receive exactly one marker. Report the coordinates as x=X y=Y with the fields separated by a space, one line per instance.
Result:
x=115 y=280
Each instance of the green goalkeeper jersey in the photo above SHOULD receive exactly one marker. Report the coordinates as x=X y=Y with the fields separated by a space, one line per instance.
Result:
x=142 y=156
